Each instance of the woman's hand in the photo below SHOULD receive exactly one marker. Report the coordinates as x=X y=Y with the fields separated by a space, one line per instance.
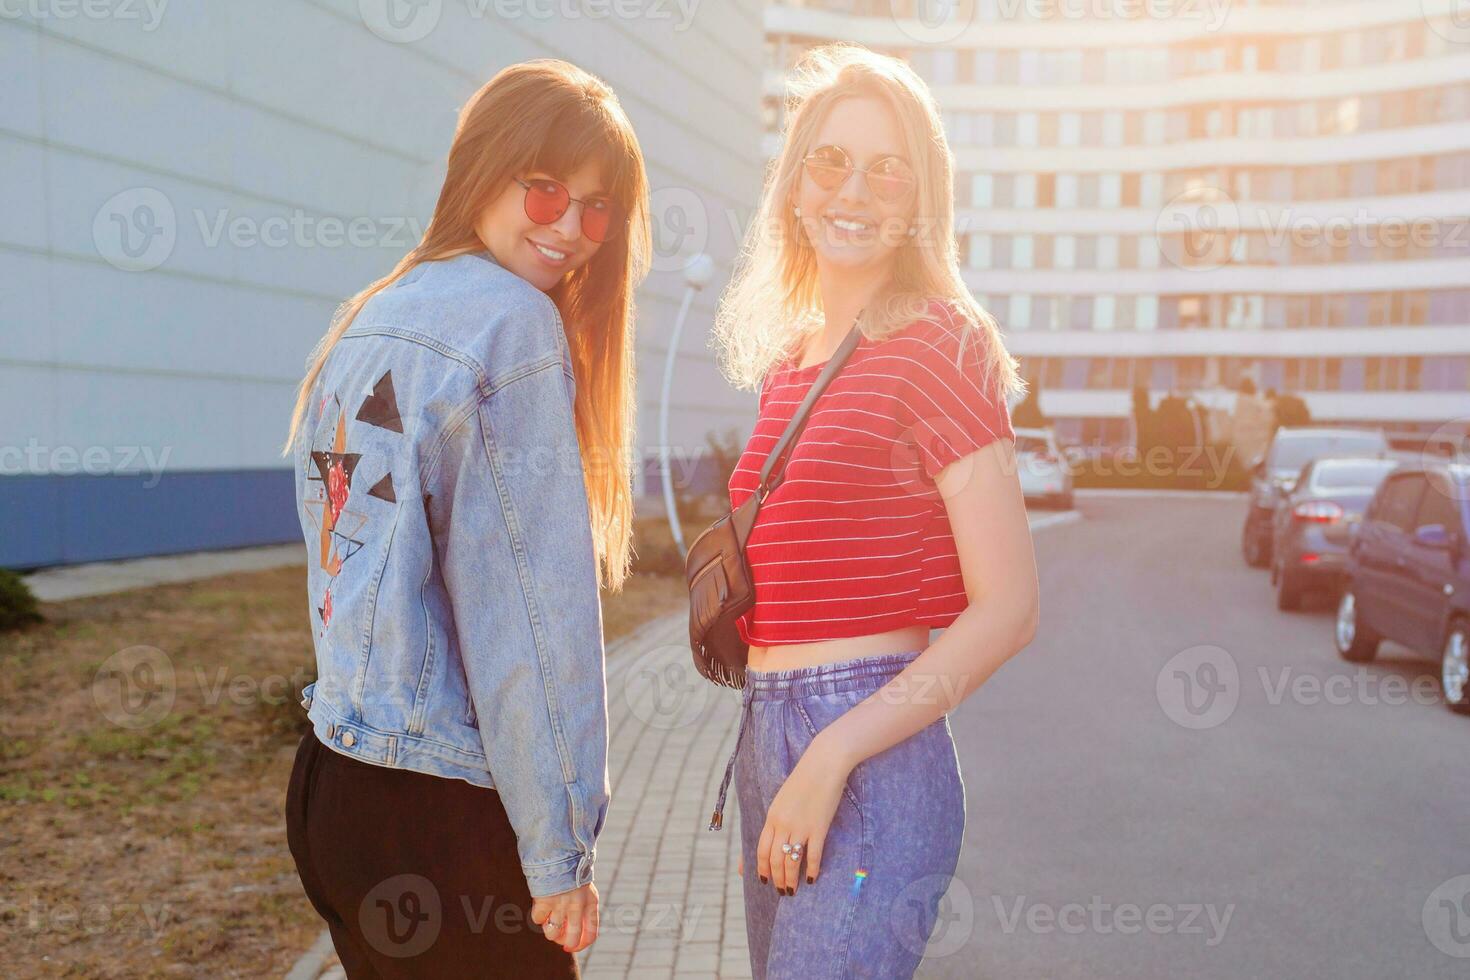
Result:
x=801 y=813
x=570 y=919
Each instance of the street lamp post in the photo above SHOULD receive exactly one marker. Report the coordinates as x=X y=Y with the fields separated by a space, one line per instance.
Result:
x=697 y=274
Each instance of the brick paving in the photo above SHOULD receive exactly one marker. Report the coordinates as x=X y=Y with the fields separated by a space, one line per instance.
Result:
x=672 y=904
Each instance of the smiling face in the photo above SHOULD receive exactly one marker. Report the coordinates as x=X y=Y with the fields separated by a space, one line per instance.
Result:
x=849 y=227
x=540 y=254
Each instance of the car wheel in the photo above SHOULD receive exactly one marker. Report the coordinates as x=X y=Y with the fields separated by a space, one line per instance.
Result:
x=1355 y=641
x=1288 y=590
x=1454 y=671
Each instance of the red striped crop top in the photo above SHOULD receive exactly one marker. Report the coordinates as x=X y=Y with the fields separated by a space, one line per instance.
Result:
x=855 y=540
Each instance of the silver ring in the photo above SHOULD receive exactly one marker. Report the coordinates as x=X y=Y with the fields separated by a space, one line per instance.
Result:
x=786 y=848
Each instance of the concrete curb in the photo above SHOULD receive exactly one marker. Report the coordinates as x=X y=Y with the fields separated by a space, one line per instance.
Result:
x=309 y=966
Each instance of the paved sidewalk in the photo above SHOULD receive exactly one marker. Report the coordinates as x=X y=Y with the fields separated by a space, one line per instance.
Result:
x=671 y=902
x=102 y=577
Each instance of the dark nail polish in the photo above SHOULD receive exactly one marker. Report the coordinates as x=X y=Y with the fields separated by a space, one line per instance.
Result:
x=791 y=891
x=810 y=880
x=764 y=880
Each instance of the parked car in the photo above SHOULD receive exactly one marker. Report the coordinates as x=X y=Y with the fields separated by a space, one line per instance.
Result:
x=1312 y=523
x=1045 y=475
x=1275 y=473
x=1408 y=574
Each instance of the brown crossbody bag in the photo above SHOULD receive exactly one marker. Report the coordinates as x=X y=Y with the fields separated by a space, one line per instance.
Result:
x=720 y=585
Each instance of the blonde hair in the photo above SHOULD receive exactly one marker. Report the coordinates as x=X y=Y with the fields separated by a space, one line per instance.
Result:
x=550 y=116
x=774 y=299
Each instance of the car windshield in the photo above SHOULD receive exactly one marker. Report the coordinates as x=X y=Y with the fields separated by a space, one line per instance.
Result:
x=1294 y=453
x=1363 y=474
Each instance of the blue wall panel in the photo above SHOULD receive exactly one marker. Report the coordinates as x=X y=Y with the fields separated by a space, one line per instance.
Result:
x=52 y=520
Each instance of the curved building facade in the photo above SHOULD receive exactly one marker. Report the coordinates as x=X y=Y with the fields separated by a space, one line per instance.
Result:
x=1200 y=193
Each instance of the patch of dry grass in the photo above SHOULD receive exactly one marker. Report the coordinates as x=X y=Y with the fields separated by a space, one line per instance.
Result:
x=142 y=793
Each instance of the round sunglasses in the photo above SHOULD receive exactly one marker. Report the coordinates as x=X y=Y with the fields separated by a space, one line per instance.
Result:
x=547 y=200
x=889 y=178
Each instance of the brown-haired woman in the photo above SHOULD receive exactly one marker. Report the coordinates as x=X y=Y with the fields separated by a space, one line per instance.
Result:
x=461 y=444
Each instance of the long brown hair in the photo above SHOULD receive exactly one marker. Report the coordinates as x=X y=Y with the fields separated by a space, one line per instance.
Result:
x=774 y=298
x=550 y=116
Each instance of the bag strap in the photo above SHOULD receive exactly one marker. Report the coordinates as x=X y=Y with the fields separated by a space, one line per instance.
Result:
x=798 y=420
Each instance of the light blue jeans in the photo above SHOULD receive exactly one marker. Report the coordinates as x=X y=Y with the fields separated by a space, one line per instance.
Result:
x=893 y=846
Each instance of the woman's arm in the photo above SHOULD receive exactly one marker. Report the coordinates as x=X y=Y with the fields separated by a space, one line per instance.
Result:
x=987 y=513
x=517 y=560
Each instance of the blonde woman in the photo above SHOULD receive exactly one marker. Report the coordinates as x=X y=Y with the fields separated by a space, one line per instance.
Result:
x=899 y=512
x=461 y=449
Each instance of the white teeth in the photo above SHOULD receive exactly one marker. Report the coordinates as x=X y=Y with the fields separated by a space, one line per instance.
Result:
x=553 y=256
x=846 y=225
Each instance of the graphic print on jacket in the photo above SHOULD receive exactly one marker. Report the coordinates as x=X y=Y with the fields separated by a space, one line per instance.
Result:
x=332 y=470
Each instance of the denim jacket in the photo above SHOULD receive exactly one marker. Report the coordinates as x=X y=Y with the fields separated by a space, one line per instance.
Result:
x=450 y=567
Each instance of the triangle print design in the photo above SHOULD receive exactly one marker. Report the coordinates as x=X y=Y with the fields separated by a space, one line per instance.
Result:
x=335 y=468
x=381 y=407
x=383 y=489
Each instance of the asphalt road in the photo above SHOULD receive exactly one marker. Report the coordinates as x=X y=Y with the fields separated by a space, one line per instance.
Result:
x=1134 y=810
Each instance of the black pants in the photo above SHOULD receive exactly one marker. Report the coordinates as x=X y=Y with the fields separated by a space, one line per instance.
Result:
x=417 y=876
